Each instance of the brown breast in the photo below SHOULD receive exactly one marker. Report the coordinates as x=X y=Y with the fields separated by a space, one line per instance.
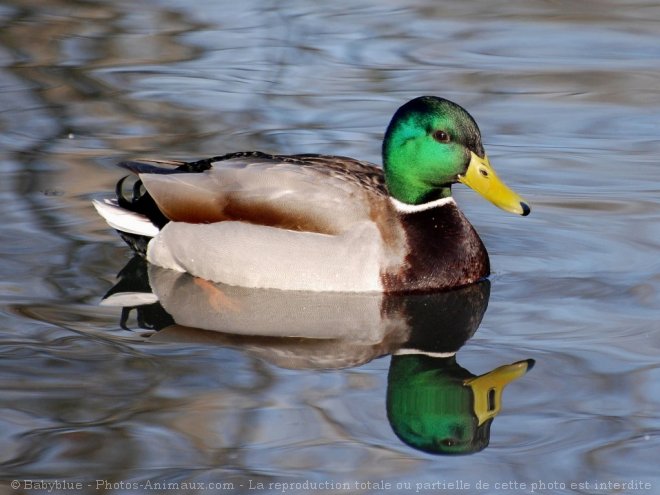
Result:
x=444 y=251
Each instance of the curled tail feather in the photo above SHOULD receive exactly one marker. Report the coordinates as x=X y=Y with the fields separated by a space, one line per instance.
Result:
x=125 y=220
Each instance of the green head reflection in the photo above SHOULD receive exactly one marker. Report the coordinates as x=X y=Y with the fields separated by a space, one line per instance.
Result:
x=435 y=405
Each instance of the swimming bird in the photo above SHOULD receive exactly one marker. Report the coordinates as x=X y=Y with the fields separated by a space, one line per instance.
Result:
x=320 y=222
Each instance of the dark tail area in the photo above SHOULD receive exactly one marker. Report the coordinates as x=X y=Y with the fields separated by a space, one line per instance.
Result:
x=140 y=201
x=137 y=199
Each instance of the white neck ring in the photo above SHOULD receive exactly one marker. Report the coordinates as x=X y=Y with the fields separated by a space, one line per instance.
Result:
x=406 y=208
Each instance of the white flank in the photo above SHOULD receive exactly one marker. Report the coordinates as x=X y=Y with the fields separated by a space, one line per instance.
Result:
x=125 y=220
x=406 y=208
x=250 y=255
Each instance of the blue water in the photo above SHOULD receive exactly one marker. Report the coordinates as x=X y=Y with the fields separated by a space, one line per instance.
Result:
x=567 y=100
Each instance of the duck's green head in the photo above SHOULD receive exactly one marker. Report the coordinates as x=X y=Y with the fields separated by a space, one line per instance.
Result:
x=432 y=143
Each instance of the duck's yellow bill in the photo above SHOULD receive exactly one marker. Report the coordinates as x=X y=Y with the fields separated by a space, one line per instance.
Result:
x=487 y=389
x=481 y=177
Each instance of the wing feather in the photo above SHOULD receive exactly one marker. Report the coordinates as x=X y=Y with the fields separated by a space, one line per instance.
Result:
x=311 y=193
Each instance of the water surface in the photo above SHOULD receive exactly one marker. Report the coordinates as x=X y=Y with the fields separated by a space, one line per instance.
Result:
x=567 y=100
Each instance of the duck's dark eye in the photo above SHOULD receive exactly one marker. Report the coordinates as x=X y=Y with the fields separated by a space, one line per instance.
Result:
x=441 y=136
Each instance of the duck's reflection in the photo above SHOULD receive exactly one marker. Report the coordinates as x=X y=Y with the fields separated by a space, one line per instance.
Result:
x=433 y=404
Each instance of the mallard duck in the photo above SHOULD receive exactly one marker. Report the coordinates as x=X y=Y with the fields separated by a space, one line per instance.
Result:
x=323 y=223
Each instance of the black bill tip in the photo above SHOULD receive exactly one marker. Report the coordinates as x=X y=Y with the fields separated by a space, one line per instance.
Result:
x=526 y=210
